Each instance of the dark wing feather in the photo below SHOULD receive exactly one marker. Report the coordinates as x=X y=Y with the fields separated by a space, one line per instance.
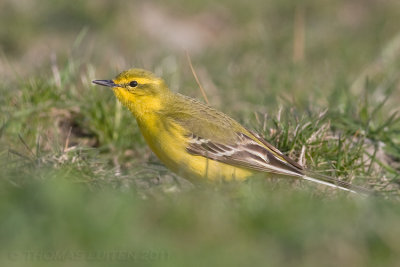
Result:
x=246 y=153
x=289 y=160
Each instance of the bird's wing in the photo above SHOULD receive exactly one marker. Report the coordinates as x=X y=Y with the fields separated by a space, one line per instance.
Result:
x=246 y=153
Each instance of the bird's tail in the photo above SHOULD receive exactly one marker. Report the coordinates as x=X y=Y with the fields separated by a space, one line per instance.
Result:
x=333 y=182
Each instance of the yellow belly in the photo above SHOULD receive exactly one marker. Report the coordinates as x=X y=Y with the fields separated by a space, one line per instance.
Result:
x=170 y=148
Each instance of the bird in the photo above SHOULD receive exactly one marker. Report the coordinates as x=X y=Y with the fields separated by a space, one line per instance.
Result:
x=199 y=142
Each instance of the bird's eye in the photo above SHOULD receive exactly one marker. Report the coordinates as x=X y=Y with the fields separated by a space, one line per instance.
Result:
x=133 y=84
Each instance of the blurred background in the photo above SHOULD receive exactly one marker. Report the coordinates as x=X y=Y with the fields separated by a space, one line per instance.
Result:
x=79 y=186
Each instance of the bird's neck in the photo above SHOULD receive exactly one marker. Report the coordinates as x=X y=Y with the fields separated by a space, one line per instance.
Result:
x=140 y=106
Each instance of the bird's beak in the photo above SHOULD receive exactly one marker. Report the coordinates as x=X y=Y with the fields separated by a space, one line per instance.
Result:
x=108 y=83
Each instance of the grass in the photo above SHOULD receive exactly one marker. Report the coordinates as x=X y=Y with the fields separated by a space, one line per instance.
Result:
x=78 y=183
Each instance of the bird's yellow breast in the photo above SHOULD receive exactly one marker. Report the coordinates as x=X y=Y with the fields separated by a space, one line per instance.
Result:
x=167 y=140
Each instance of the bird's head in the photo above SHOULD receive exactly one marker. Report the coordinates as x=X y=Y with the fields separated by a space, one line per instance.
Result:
x=140 y=90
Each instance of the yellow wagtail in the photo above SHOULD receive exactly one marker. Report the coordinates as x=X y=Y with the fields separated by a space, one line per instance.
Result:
x=197 y=141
